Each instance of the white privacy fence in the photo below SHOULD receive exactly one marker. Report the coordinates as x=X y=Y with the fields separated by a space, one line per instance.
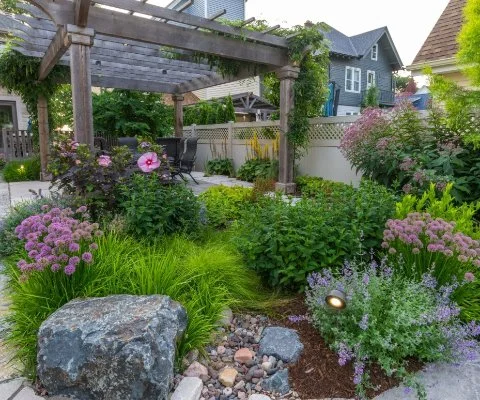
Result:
x=323 y=157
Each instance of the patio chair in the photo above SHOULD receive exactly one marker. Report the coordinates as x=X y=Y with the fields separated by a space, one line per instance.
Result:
x=187 y=160
x=131 y=143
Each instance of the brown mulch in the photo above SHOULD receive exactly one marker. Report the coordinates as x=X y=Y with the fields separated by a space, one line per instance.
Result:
x=317 y=374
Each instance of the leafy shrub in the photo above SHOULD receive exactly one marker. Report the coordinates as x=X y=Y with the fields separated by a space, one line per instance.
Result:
x=284 y=242
x=312 y=186
x=258 y=168
x=3 y=162
x=9 y=243
x=220 y=166
x=153 y=209
x=224 y=204
x=205 y=279
x=443 y=207
x=406 y=153
x=388 y=320
x=22 y=170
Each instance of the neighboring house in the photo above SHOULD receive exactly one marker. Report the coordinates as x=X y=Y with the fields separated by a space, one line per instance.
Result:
x=13 y=112
x=440 y=49
x=359 y=62
x=420 y=99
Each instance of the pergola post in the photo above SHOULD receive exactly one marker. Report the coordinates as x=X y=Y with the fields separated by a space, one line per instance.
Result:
x=81 y=80
x=287 y=76
x=43 y=131
x=178 y=105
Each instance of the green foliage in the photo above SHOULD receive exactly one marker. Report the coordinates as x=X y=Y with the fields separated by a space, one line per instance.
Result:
x=210 y=112
x=61 y=107
x=10 y=6
x=220 y=166
x=313 y=186
x=203 y=278
x=388 y=320
x=371 y=97
x=224 y=204
x=19 y=74
x=469 y=41
x=258 y=168
x=131 y=113
x=3 y=162
x=154 y=209
x=285 y=242
x=401 y=82
x=22 y=170
x=444 y=207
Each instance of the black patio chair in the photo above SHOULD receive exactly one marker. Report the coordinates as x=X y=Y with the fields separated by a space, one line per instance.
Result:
x=187 y=160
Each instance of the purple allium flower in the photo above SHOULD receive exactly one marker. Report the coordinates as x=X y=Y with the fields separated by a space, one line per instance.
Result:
x=74 y=247
x=81 y=209
x=45 y=207
x=87 y=257
x=469 y=277
x=55 y=267
x=93 y=246
x=69 y=269
x=74 y=260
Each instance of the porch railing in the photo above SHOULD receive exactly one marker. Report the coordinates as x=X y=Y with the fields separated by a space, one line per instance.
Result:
x=16 y=145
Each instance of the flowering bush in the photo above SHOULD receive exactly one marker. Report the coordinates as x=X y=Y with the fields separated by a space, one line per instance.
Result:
x=404 y=152
x=57 y=239
x=388 y=320
x=431 y=244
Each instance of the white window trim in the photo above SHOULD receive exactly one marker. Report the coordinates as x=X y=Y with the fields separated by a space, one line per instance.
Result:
x=353 y=69
x=374 y=78
x=374 y=55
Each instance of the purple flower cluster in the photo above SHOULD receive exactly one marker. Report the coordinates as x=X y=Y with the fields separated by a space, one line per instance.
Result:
x=55 y=238
x=359 y=371
x=345 y=354
x=422 y=232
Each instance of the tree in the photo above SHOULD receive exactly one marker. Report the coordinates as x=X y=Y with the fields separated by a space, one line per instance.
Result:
x=61 y=107
x=469 y=41
x=229 y=110
x=411 y=86
x=401 y=83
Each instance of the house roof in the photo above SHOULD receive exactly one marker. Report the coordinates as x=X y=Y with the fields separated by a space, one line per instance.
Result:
x=359 y=45
x=442 y=41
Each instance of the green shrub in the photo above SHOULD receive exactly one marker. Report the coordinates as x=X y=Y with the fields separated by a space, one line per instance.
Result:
x=22 y=170
x=312 y=186
x=388 y=320
x=284 y=242
x=153 y=209
x=3 y=162
x=220 y=166
x=204 y=278
x=224 y=204
x=443 y=207
x=258 y=168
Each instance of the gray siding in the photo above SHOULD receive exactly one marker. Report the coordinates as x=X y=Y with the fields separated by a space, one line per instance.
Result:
x=383 y=74
x=197 y=8
x=235 y=8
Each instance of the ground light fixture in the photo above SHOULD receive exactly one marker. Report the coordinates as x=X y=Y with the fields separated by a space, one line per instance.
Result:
x=336 y=299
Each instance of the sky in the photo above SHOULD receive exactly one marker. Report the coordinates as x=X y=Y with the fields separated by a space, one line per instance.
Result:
x=409 y=21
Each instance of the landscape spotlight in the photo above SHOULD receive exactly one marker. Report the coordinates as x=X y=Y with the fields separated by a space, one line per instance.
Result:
x=336 y=299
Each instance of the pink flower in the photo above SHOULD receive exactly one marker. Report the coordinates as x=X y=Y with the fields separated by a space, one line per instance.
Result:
x=148 y=162
x=104 y=161
x=469 y=277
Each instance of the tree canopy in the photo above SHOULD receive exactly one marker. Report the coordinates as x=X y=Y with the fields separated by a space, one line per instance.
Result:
x=469 y=41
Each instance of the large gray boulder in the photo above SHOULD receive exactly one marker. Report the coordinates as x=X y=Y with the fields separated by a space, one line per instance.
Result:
x=281 y=343
x=117 y=347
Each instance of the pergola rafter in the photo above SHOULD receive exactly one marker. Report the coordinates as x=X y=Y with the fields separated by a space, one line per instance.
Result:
x=132 y=44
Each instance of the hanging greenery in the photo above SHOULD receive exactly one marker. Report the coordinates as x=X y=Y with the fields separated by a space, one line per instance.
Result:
x=307 y=50
x=19 y=74
x=210 y=112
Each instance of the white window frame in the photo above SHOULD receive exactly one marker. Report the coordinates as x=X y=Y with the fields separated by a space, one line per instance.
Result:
x=374 y=79
x=352 y=87
x=374 y=52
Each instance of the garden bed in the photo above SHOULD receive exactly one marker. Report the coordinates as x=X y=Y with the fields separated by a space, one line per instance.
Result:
x=317 y=374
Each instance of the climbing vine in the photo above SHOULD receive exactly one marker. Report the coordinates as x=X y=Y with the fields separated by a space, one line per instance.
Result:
x=19 y=74
x=307 y=50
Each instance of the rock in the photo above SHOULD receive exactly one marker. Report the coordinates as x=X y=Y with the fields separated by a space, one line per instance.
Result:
x=259 y=397
x=227 y=376
x=282 y=343
x=239 y=385
x=221 y=350
x=190 y=388
x=227 y=316
x=243 y=355
x=267 y=366
x=277 y=383
x=116 y=347
x=196 y=370
x=242 y=395
x=258 y=373
x=227 y=391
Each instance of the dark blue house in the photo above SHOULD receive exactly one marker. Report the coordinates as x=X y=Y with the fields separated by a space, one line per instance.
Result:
x=359 y=62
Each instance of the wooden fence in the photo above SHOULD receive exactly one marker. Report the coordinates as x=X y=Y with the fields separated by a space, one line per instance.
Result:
x=16 y=145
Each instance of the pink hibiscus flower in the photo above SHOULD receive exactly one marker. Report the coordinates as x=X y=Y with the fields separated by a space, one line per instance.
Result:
x=148 y=162
x=104 y=161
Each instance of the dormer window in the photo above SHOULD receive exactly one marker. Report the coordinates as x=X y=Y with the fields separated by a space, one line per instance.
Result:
x=375 y=52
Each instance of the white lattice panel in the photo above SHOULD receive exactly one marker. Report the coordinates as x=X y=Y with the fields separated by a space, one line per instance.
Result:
x=328 y=131
x=266 y=132
x=207 y=134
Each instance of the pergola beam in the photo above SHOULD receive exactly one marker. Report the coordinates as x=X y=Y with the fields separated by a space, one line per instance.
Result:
x=59 y=45
x=82 y=8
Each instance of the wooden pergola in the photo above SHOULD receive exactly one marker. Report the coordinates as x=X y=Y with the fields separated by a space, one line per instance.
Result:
x=130 y=44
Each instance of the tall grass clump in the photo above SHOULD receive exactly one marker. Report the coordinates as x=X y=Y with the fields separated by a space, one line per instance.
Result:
x=204 y=278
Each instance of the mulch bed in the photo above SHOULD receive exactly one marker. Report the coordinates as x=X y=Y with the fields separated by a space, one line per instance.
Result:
x=317 y=374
